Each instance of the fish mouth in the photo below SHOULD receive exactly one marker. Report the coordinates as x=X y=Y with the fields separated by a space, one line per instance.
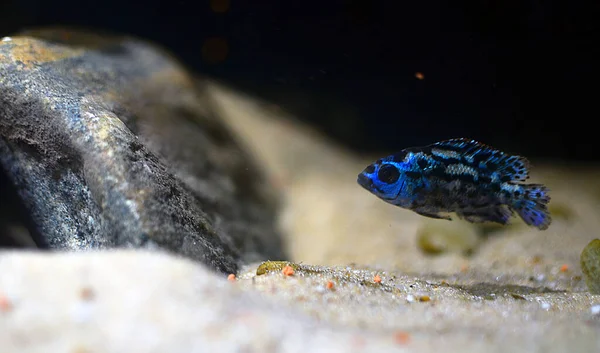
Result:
x=365 y=181
x=368 y=184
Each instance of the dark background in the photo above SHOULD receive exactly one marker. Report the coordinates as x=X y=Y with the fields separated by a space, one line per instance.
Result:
x=517 y=74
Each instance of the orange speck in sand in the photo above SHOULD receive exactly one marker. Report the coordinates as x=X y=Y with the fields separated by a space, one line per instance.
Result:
x=288 y=270
x=377 y=279
x=329 y=285
x=564 y=268
x=402 y=337
x=231 y=278
x=5 y=304
x=87 y=293
x=419 y=75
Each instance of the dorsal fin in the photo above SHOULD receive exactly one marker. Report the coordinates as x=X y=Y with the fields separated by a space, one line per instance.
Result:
x=507 y=167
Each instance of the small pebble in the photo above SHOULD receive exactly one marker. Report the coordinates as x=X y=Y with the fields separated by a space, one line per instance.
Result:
x=536 y=260
x=424 y=298
x=595 y=309
x=545 y=305
x=410 y=298
x=435 y=237
x=288 y=270
x=7 y=39
x=402 y=337
x=5 y=304
x=590 y=265
x=87 y=293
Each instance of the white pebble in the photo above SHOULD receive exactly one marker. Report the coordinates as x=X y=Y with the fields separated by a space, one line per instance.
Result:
x=545 y=305
x=6 y=39
x=595 y=309
x=410 y=298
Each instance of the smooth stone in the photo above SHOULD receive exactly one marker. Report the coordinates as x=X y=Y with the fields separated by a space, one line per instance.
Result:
x=109 y=142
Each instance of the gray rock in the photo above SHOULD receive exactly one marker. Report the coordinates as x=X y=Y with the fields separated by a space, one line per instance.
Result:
x=109 y=143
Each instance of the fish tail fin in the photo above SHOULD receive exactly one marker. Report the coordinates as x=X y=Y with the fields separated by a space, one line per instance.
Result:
x=532 y=205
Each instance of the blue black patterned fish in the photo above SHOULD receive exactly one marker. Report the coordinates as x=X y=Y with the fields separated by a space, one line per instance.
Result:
x=477 y=182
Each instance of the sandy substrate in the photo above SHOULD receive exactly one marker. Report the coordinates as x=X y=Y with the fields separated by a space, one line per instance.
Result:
x=358 y=279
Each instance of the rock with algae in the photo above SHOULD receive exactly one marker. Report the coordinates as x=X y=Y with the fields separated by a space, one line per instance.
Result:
x=272 y=266
x=109 y=143
x=590 y=265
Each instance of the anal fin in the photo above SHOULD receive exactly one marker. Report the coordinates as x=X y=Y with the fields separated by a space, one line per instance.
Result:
x=436 y=215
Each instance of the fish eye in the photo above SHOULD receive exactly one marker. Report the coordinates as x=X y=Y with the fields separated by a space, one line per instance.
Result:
x=388 y=174
x=370 y=169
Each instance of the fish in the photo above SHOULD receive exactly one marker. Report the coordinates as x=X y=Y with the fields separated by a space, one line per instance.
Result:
x=477 y=182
